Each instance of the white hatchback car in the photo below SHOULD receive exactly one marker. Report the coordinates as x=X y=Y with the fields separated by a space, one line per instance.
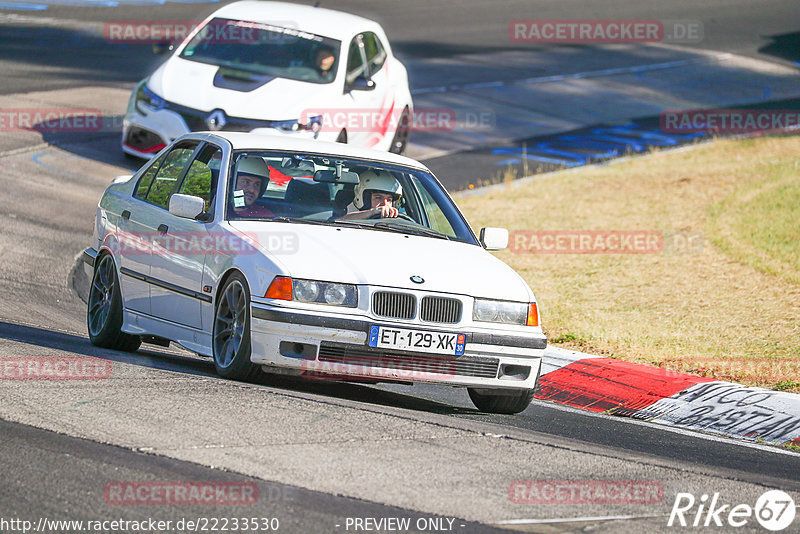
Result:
x=273 y=67
x=303 y=257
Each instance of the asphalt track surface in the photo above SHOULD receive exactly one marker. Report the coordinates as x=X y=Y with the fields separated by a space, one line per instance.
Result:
x=54 y=474
x=65 y=56
x=60 y=475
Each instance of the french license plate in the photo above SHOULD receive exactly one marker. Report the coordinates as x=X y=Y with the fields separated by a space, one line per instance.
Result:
x=416 y=340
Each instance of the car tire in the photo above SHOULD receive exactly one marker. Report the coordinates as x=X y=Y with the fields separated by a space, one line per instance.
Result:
x=400 y=139
x=507 y=402
x=104 y=309
x=230 y=338
x=342 y=137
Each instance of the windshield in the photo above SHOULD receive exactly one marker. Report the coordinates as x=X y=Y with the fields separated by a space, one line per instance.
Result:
x=265 y=49
x=313 y=189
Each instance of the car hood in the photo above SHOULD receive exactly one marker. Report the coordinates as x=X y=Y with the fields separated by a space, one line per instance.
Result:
x=191 y=84
x=378 y=258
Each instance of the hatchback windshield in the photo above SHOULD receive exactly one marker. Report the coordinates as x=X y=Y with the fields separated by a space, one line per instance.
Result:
x=312 y=189
x=264 y=49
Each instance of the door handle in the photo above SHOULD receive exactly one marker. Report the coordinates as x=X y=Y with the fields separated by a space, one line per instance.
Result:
x=162 y=228
x=126 y=215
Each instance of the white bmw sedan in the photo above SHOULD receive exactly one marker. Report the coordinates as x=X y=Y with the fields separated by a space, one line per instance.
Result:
x=318 y=259
x=277 y=68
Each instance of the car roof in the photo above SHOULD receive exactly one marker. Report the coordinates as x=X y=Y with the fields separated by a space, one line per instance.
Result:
x=317 y=20
x=255 y=141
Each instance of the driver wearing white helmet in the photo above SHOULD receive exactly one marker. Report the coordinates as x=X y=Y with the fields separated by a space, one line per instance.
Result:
x=375 y=196
x=252 y=177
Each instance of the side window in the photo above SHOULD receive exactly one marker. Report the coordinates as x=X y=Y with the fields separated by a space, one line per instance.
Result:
x=355 y=62
x=376 y=55
x=168 y=174
x=147 y=178
x=201 y=179
x=436 y=217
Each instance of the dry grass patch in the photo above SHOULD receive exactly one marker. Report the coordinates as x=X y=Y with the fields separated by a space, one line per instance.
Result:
x=730 y=310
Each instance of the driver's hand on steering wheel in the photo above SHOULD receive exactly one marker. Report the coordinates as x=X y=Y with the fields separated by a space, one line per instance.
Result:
x=386 y=212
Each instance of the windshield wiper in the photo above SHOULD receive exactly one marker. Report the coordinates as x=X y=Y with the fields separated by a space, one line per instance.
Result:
x=385 y=226
x=299 y=221
x=348 y=222
x=416 y=230
x=382 y=226
x=370 y=226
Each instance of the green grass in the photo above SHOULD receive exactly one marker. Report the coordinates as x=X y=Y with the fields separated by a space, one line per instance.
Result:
x=759 y=224
x=787 y=385
x=728 y=308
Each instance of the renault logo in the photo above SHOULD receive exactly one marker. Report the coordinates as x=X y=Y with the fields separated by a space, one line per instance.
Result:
x=417 y=279
x=216 y=120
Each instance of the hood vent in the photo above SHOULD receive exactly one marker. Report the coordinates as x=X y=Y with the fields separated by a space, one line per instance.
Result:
x=239 y=80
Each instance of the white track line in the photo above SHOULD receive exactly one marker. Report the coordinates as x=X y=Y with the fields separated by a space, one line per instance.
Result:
x=573 y=519
x=576 y=75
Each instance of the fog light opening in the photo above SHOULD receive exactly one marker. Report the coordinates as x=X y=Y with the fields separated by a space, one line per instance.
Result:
x=294 y=349
x=515 y=372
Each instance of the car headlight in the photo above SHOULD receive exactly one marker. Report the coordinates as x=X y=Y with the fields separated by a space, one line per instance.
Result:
x=297 y=289
x=305 y=290
x=314 y=124
x=143 y=96
x=134 y=94
x=335 y=294
x=500 y=311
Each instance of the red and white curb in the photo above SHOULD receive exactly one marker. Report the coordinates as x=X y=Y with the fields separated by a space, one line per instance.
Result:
x=667 y=397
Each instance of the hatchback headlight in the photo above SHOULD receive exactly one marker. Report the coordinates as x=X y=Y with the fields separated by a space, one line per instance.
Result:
x=500 y=311
x=143 y=96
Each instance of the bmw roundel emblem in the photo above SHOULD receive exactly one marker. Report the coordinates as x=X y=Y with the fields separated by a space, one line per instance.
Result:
x=417 y=279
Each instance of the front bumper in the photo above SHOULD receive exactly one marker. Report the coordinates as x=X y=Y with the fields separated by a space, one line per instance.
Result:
x=335 y=346
x=144 y=135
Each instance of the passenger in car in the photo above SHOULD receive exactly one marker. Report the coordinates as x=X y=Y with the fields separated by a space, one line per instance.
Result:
x=252 y=177
x=375 y=196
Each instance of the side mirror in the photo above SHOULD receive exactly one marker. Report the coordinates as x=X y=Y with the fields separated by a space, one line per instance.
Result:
x=122 y=179
x=494 y=238
x=360 y=84
x=186 y=206
x=162 y=48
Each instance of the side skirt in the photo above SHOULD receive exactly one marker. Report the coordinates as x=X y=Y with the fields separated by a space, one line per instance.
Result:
x=143 y=324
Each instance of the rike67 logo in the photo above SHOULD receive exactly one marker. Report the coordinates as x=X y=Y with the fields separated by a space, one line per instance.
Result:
x=774 y=510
